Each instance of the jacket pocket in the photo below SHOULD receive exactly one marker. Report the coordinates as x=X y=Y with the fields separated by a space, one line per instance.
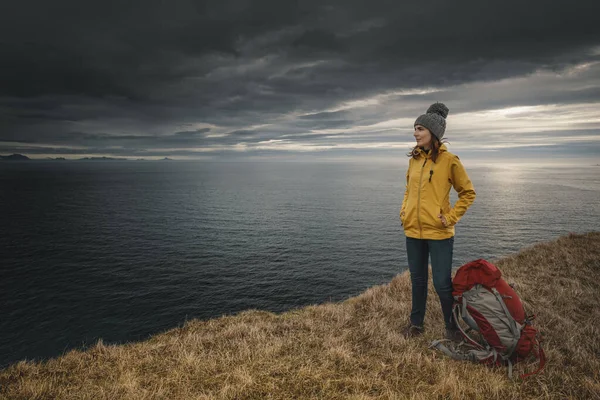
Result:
x=430 y=219
x=410 y=217
x=445 y=213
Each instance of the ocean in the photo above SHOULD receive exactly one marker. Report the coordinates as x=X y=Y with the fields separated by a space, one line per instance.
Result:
x=122 y=250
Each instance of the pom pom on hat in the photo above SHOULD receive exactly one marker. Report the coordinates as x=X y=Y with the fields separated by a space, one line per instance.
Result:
x=438 y=108
x=434 y=119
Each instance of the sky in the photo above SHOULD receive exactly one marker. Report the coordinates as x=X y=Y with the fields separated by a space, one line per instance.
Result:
x=310 y=79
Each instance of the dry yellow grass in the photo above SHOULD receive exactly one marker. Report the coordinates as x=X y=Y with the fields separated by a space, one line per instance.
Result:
x=348 y=350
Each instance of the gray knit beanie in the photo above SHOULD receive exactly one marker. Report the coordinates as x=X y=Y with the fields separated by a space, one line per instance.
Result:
x=434 y=119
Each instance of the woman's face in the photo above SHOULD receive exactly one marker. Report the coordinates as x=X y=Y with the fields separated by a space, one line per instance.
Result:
x=423 y=136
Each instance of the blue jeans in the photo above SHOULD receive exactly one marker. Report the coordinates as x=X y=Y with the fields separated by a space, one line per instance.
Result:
x=418 y=252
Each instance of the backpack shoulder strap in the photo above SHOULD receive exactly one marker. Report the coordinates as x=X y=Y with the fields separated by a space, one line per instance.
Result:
x=460 y=311
x=437 y=344
x=490 y=355
x=464 y=313
x=514 y=327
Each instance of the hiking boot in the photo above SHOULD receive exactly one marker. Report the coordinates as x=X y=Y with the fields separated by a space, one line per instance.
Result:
x=454 y=335
x=412 y=331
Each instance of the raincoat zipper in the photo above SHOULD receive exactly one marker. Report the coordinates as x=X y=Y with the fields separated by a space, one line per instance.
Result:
x=419 y=201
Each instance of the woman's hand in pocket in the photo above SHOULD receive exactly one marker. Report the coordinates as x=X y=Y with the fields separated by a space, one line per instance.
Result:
x=443 y=219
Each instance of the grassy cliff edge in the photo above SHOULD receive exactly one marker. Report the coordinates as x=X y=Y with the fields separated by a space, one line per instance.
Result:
x=347 y=350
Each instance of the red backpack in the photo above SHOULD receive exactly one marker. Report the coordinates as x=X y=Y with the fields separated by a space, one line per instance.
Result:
x=490 y=306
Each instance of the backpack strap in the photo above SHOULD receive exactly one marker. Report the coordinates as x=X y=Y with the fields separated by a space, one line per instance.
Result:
x=450 y=353
x=542 y=357
x=471 y=353
x=456 y=311
x=475 y=355
x=510 y=368
x=514 y=327
x=466 y=316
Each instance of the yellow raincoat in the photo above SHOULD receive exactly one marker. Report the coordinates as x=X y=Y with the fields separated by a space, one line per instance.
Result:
x=428 y=194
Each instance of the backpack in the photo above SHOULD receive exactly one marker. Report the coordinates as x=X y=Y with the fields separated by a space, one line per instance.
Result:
x=490 y=307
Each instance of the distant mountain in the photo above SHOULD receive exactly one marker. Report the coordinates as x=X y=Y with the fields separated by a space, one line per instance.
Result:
x=15 y=157
x=167 y=159
x=100 y=158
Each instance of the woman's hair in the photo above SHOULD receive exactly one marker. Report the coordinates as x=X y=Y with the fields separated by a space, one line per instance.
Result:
x=435 y=149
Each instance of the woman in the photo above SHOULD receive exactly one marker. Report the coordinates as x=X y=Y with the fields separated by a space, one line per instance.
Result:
x=428 y=219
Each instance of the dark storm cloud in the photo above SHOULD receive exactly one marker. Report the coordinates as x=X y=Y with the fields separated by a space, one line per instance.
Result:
x=143 y=75
x=114 y=47
x=196 y=133
x=325 y=116
x=318 y=39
